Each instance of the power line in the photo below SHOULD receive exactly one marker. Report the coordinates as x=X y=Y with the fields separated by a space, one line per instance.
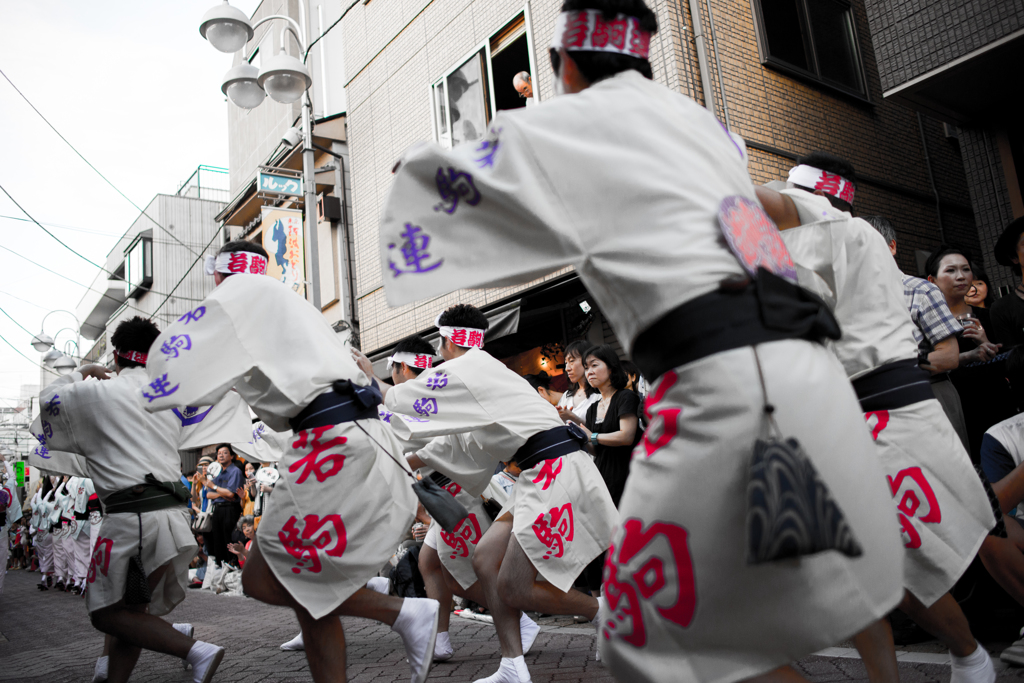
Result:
x=187 y=271
x=91 y=232
x=24 y=301
x=17 y=323
x=328 y=30
x=19 y=352
x=80 y=156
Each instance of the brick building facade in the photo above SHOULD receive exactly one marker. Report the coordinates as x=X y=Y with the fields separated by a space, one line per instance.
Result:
x=399 y=54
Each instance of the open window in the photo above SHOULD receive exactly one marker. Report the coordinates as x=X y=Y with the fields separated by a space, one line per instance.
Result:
x=813 y=40
x=464 y=100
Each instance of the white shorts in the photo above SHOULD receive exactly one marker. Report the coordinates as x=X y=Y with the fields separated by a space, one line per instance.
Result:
x=431 y=538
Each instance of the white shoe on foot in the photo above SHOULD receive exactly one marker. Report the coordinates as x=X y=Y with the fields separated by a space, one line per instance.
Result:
x=528 y=630
x=511 y=670
x=974 y=668
x=100 y=672
x=186 y=630
x=443 y=650
x=295 y=644
x=204 y=658
x=417 y=624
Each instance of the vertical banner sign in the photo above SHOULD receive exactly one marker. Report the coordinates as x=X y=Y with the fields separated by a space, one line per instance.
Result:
x=282 y=238
x=19 y=473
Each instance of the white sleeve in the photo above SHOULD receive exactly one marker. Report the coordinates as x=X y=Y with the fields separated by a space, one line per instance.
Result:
x=196 y=360
x=52 y=427
x=435 y=404
x=480 y=215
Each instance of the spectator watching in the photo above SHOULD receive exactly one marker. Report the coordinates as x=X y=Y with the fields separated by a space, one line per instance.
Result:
x=541 y=382
x=580 y=394
x=226 y=506
x=949 y=269
x=1007 y=316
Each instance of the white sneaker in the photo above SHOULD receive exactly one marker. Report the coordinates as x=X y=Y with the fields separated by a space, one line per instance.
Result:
x=100 y=672
x=417 y=624
x=528 y=630
x=510 y=671
x=379 y=584
x=443 y=647
x=204 y=658
x=974 y=668
x=295 y=644
x=186 y=630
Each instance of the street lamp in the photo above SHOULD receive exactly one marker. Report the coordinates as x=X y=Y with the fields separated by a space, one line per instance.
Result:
x=65 y=365
x=53 y=358
x=285 y=79
x=41 y=342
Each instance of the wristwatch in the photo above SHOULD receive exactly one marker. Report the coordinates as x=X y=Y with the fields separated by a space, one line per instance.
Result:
x=593 y=438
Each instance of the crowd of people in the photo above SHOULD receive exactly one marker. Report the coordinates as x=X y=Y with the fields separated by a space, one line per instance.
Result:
x=801 y=439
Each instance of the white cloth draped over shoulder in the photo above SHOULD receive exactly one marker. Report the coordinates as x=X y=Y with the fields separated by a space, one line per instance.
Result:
x=535 y=195
x=266 y=445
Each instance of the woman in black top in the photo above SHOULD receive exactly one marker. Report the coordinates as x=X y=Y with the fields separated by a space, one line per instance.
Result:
x=949 y=269
x=611 y=423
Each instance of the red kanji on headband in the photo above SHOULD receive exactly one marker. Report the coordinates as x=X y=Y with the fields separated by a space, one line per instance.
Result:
x=588 y=31
x=133 y=356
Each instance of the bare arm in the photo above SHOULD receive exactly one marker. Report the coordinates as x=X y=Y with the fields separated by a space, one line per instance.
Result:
x=945 y=357
x=414 y=462
x=623 y=437
x=780 y=208
x=367 y=367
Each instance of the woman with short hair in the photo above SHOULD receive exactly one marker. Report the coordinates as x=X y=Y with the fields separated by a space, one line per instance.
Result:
x=580 y=395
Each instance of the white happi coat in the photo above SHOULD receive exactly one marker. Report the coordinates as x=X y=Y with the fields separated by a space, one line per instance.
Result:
x=563 y=515
x=105 y=421
x=943 y=509
x=624 y=182
x=340 y=508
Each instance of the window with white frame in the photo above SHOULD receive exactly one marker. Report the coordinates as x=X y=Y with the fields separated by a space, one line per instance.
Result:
x=464 y=100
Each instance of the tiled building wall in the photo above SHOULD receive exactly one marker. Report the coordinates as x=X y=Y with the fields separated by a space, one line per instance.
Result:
x=396 y=49
x=990 y=199
x=913 y=37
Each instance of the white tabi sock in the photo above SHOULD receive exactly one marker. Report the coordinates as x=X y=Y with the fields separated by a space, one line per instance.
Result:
x=295 y=644
x=100 y=672
x=974 y=668
x=443 y=650
x=511 y=670
x=204 y=658
x=596 y=621
x=417 y=624
x=528 y=630
x=186 y=630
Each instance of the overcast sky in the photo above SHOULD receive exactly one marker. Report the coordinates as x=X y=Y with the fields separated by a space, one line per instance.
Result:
x=135 y=88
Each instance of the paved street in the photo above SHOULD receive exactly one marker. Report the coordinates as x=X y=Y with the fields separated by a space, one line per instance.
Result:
x=46 y=637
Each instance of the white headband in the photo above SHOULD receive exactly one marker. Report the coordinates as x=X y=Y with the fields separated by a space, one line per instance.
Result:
x=236 y=262
x=587 y=30
x=413 y=360
x=467 y=337
x=816 y=179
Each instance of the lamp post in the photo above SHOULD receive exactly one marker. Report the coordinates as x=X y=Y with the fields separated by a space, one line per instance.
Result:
x=53 y=358
x=285 y=79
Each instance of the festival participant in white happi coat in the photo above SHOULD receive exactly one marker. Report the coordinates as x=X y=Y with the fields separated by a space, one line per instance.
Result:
x=132 y=458
x=943 y=508
x=649 y=236
x=81 y=535
x=10 y=512
x=42 y=538
x=560 y=516
x=60 y=529
x=446 y=559
x=341 y=505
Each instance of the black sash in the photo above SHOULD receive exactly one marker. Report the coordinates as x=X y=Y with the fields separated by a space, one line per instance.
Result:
x=548 y=445
x=345 y=402
x=149 y=497
x=893 y=385
x=745 y=313
x=440 y=479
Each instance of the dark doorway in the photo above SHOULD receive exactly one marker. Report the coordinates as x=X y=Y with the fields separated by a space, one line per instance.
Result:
x=512 y=59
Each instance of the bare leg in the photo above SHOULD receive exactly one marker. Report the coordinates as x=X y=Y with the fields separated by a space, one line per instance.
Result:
x=878 y=652
x=487 y=561
x=325 y=646
x=132 y=628
x=944 y=620
x=474 y=592
x=519 y=587
x=784 y=674
x=435 y=584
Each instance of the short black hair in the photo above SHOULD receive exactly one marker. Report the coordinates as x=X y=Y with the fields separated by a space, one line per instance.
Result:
x=884 y=227
x=931 y=266
x=596 y=66
x=243 y=245
x=464 y=315
x=830 y=163
x=607 y=355
x=1006 y=245
x=134 y=334
x=227 y=446
x=578 y=348
x=541 y=379
x=631 y=369
x=418 y=345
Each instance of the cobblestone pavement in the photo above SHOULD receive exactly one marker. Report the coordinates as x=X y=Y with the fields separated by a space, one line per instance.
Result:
x=45 y=637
